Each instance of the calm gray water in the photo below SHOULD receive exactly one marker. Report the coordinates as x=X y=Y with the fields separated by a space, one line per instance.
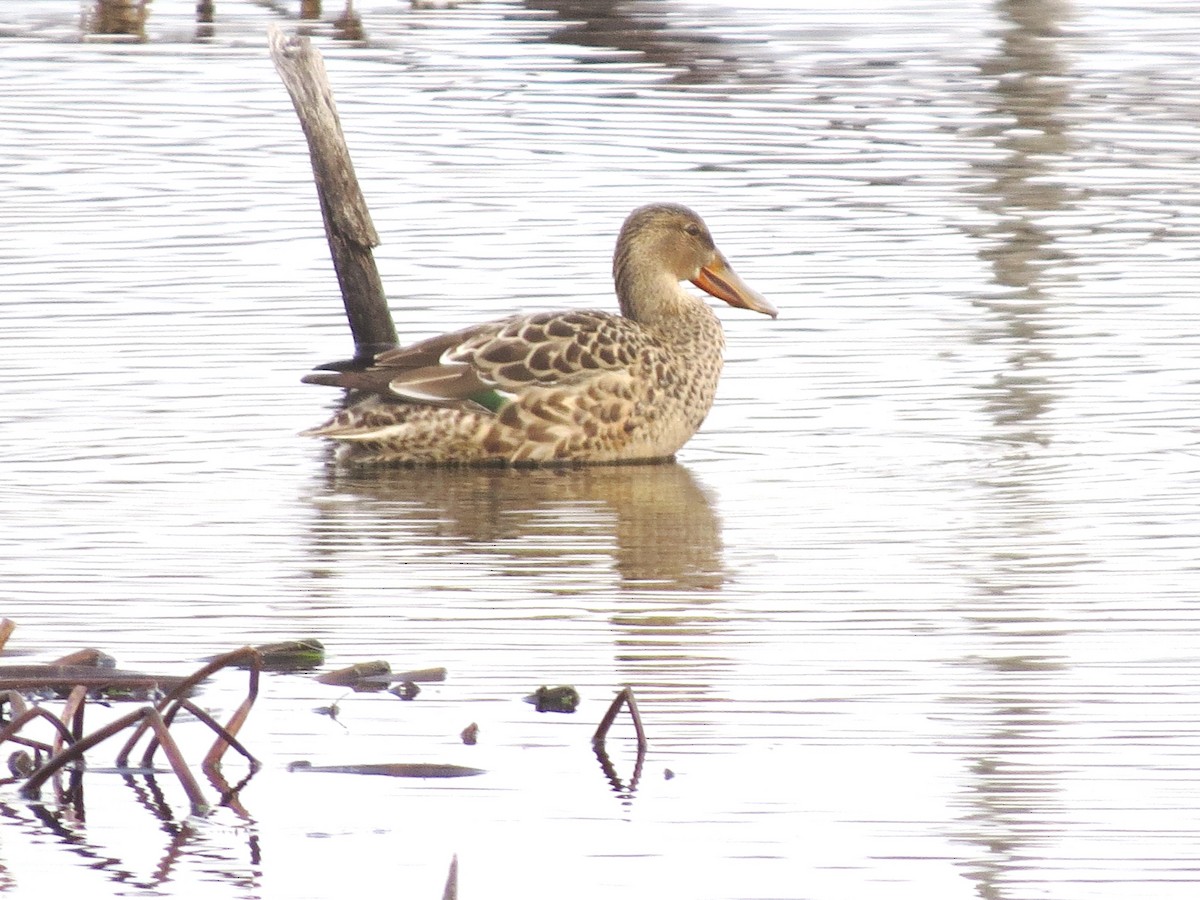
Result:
x=915 y=615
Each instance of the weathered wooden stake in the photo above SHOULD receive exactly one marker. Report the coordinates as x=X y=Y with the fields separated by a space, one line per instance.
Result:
x=450 y=892
x=348 y=226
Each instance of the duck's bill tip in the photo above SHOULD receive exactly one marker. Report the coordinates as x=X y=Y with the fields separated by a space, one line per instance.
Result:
x=719 y=279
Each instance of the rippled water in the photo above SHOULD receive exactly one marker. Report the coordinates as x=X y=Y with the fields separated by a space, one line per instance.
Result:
x=914 y=614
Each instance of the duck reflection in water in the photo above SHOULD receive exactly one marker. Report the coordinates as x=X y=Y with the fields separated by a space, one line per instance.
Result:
x=657 y=524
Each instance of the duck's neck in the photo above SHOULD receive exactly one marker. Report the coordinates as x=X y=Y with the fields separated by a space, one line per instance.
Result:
x=648 y=294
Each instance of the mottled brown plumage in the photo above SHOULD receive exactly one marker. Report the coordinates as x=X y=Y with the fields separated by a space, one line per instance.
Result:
x=559 y=387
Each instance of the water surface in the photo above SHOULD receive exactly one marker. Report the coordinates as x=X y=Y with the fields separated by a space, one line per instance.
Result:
x=914 y=614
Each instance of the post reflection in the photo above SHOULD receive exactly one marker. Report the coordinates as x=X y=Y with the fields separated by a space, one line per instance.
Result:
x=1008 y=807
x=1030 y=93
x=1011 y=796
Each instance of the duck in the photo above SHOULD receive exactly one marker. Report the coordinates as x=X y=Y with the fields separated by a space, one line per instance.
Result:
x=569 y=387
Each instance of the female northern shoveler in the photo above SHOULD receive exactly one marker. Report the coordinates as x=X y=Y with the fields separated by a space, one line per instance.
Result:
x=559 y=387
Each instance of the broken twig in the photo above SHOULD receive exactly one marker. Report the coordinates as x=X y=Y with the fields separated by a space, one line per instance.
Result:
x=71 y=743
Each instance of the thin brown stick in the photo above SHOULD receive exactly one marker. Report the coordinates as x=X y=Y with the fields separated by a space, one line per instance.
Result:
x=178 y=763
x=9 y=731
x=624 y=698
x=229 y=794
x=22 y=713
x=225 y=737
x=34 y=785
x=72 y=716
x=610 y=716
x=169 y=705
x=636 y=715
x=147 y=714
x=250 y=658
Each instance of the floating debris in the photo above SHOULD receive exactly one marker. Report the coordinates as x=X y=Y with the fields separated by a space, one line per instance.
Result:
x=415 y=675
x=333 y=710
x=21 y=764
x=292 y=656
x=96 y=659
x=395 y=770
x=406 y=691
x=470 y=734
x=563 y=699
x=353 y=676
x=378 y=674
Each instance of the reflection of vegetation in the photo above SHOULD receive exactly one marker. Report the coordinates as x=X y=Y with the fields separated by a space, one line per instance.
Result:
x=696 y=54
x=165 y=849
x=348 y=26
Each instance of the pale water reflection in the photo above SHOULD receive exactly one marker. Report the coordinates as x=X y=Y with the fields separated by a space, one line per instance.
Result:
x=913 y=615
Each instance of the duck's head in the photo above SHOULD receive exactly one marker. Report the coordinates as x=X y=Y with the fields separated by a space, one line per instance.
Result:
x=663 y=244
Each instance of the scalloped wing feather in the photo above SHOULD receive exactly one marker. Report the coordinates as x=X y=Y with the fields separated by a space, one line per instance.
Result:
x=478 y=368
x=553 y=349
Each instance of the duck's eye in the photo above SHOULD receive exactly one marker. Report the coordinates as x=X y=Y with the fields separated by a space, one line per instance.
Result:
x=692 y=229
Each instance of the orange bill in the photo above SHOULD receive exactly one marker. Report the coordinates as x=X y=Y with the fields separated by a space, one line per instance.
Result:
x=719 y=279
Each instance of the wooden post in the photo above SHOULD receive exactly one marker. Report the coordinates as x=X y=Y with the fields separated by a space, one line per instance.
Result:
x=348 y=224
x=450 y=892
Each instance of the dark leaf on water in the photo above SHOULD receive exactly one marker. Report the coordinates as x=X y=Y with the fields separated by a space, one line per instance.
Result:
x=562 y=699
x=406 y=691
x=21 y=764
